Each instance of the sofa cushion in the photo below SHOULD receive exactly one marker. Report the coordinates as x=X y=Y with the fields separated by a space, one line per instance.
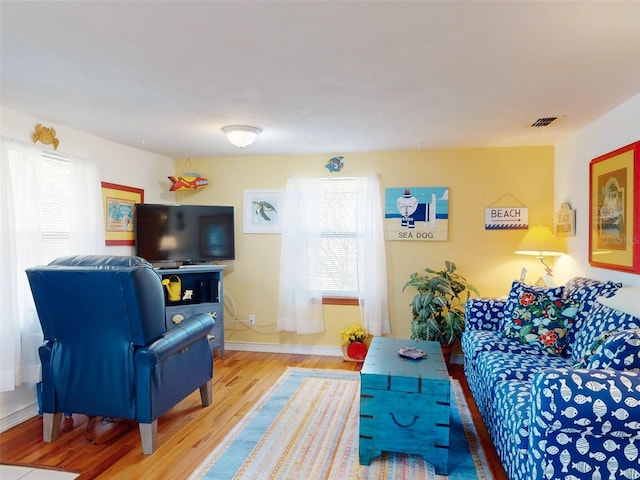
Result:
x=484 y=313
x=494 y=367
x=617 y=349
x=541 y=319
x=602 y=319
x=474 y=342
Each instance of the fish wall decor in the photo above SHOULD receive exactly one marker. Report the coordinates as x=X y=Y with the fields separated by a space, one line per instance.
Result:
x=188 y=181
x=335 y=164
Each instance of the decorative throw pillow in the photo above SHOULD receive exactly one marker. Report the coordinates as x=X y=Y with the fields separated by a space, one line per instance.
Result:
x=601 y=319
x=616 y=349
x=626 y=299
x=518 y=289
x=586 y=291
x=541 y=319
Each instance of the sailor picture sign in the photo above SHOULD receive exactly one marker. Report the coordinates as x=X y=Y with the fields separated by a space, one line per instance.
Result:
x=417 y=213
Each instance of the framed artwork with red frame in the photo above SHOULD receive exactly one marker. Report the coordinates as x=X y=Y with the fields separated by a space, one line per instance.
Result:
x=119 y=203
x=614 y=203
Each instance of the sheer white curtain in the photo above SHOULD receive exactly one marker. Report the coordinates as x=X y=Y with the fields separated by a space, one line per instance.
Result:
x=300 y=298
x=50 y=205
x=372 y=259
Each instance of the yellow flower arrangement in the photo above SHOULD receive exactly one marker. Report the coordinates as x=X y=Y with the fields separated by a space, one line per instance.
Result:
x=354 y=333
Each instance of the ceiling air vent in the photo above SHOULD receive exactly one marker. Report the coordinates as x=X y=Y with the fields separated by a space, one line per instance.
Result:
x=544 y=122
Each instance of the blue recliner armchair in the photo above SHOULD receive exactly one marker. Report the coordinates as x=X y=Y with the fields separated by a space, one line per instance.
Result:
x=107 y=350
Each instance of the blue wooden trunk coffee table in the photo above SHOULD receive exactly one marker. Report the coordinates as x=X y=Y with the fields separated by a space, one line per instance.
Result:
x=404 y=403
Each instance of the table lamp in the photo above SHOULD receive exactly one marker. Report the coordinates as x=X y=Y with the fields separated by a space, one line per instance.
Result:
x=541 y=242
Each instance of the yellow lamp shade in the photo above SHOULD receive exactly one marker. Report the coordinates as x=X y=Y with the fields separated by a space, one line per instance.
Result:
x=540 y=241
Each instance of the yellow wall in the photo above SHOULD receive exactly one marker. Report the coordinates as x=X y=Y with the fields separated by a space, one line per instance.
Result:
x=477 y=178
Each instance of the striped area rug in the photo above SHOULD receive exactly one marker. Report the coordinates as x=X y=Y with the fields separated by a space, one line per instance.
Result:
x=306 y=428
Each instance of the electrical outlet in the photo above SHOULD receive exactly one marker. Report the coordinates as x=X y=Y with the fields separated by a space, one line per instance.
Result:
x=252 y=320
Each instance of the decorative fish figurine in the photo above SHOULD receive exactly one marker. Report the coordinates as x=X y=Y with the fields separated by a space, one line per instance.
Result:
x=582 y=467
x=187 y=182
x=595 y=386
x=582 y=445
x=45 y=135
x=596 y=474
x=565 y=460
x=599 y=409
x=630 y=473
x=631 y=451
x=612 y=466
x=631 y=402
x=335 y=164
x=620 y=414
x=262 y=208
x=610 y=445
x=581 y=399
x=563 y=438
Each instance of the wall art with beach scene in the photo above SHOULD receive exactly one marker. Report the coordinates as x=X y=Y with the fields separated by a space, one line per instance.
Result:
x=417 y=213
x=614 y=203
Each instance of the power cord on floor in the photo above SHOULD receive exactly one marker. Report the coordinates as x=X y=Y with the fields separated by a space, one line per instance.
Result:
x=106 y=421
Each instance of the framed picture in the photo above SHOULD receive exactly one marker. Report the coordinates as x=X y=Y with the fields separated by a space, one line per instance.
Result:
x=118 y=202
x=614 y=203
x=261 y=213
x=416 y=213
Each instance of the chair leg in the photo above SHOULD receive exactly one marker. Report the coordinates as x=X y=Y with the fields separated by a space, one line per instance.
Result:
x=206 y=393
x=149 y=436
x=51 y=426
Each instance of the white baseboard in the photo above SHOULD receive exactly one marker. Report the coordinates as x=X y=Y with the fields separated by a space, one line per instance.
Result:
x=457 y=358
x=18 y=417
x=284 y=348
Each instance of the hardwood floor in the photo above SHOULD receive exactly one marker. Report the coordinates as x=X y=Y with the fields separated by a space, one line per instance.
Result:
x=186 y=434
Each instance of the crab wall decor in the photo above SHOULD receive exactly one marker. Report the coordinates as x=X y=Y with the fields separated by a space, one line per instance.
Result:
x=45 y=135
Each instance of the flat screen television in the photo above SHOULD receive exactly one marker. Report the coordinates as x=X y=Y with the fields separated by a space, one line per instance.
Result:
x=184 y=234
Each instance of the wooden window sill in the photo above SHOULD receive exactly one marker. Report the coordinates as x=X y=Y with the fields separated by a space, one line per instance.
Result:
x=339 y=301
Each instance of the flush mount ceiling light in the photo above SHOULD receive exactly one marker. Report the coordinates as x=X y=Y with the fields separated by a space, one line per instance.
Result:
x=241 y=135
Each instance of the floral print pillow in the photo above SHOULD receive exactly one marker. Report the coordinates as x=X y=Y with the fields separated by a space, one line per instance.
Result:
x=541 y=320
x=518 y=288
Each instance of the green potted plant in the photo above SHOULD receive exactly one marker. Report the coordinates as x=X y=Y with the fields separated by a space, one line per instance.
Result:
x=438 y=306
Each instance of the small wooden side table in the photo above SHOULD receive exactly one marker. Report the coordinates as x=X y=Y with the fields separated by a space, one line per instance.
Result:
x=404 y=403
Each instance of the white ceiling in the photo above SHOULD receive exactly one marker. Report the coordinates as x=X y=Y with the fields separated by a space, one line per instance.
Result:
x=319 y=76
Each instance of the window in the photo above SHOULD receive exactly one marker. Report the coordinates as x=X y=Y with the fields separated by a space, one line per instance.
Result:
x=338 y=253
x=332 y=245
x=50 y=206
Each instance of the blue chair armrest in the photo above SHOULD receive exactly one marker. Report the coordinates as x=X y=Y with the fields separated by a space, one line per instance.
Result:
x=175 y=339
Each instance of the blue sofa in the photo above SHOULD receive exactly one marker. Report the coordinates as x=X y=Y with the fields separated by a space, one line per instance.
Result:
x=556 y=376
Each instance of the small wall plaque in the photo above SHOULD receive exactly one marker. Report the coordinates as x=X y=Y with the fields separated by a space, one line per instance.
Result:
x=565 y=221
